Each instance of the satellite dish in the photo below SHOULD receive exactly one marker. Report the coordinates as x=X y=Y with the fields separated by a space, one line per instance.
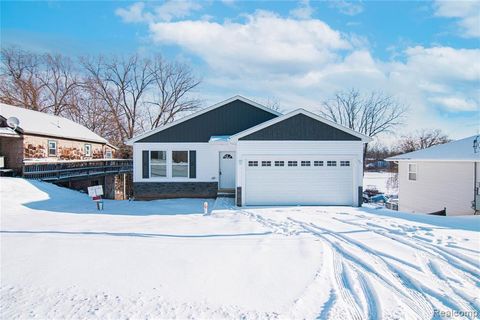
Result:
x=13 y=122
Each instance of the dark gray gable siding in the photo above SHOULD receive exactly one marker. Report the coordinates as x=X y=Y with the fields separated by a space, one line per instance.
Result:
x=229 y=119
x=300 y=127
x=145 y=164
x=193 y=164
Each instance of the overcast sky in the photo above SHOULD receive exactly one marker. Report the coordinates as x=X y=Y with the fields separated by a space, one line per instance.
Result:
x=426 y=54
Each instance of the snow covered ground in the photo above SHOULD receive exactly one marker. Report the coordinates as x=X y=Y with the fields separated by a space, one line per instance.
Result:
x=380 y=181
x=165 y=259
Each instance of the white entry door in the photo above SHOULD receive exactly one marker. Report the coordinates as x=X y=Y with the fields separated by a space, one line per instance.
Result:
x=227 y=170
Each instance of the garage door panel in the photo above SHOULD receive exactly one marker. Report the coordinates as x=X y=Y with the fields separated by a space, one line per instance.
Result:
x=299 y=185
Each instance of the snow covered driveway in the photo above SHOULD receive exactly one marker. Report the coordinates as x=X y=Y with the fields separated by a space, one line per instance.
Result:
x=164 y=259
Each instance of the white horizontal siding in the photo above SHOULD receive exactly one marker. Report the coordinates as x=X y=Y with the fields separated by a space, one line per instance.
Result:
x=207 y=160
x=439 y=185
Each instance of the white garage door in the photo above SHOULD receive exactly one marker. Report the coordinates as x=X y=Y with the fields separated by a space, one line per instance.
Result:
x=293 y=181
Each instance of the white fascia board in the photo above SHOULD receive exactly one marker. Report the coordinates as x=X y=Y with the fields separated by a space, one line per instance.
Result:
x=200 y=112
x=268 y=123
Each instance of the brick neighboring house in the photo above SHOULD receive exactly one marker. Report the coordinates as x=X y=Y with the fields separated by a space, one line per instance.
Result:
x=41 y=138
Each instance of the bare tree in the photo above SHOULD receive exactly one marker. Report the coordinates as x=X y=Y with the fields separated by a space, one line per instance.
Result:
x=19 y=83
x=91 y=111
x=41 y=82
x=422 y=139
x=115 y=97
x=141 y=93
x=173 y=83
x=368 y=114
x=273 y=103
x=122 y=85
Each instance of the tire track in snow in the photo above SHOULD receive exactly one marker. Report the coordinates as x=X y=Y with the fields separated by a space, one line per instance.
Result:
x=425 y=310
x=344 y=288
x=374 y=310
x=456 y=300
x=328 y=306
x=469 y=273
x=415 y=296
x=414 y=300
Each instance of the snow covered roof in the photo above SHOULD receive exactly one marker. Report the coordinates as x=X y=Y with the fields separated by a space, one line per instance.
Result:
x=459 y=150
x=214 y=139
x=35 y=122
x=8 y=132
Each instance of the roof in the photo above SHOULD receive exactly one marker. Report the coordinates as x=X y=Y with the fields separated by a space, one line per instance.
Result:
x=8 y=132
x=219 y=139
x=459 y=150
x=196 y=114
x=40 y=123
x=265 y=124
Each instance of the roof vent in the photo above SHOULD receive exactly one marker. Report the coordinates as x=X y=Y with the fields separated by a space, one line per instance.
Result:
x=13 y=122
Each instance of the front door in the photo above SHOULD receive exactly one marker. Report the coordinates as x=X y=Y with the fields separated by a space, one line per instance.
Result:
x=227 y=170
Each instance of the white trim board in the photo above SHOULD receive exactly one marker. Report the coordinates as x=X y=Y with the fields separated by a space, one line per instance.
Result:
x=268 y=123
x=200 y=112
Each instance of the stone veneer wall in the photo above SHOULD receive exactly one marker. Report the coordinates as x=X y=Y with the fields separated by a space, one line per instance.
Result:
x=36 y=147
x=166 y=190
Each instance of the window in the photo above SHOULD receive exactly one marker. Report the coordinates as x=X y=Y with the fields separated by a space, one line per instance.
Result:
x=227 y=156
x=292 y=163
x=158 y=163
x=108 y=154
x=279 y=163
x=180 y=164
x=87 y=150
x=253 y=163
x=52 y=148
x=344 y=163
x=331 y=163
x=318 y=163
x=305 y=163
x=412 y=171
x=266 y=163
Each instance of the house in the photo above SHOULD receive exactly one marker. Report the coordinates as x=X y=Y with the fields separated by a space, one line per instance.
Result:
x=40 y=145
x=445 y=176
x=261 y=156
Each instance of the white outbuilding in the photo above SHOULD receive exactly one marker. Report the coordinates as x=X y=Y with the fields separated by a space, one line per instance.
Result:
x=442 y=177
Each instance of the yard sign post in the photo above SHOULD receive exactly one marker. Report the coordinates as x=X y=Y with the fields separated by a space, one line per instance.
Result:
x=96 y=192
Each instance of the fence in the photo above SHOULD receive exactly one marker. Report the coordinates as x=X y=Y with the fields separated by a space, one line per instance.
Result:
x=65 y=170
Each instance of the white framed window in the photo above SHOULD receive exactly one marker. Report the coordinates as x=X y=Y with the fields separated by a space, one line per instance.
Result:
x=108 y=154
x=266 y=163
x=292 y=163
x=345 y=163
x=87 y=150
x=305 y=163
x=52 y=148
x=279 y=163
x=412 y=171
x=227 y=156
x=317 y=163
x=253 y=163
x=158 y=164
x=180 y=164
x=331 y=163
